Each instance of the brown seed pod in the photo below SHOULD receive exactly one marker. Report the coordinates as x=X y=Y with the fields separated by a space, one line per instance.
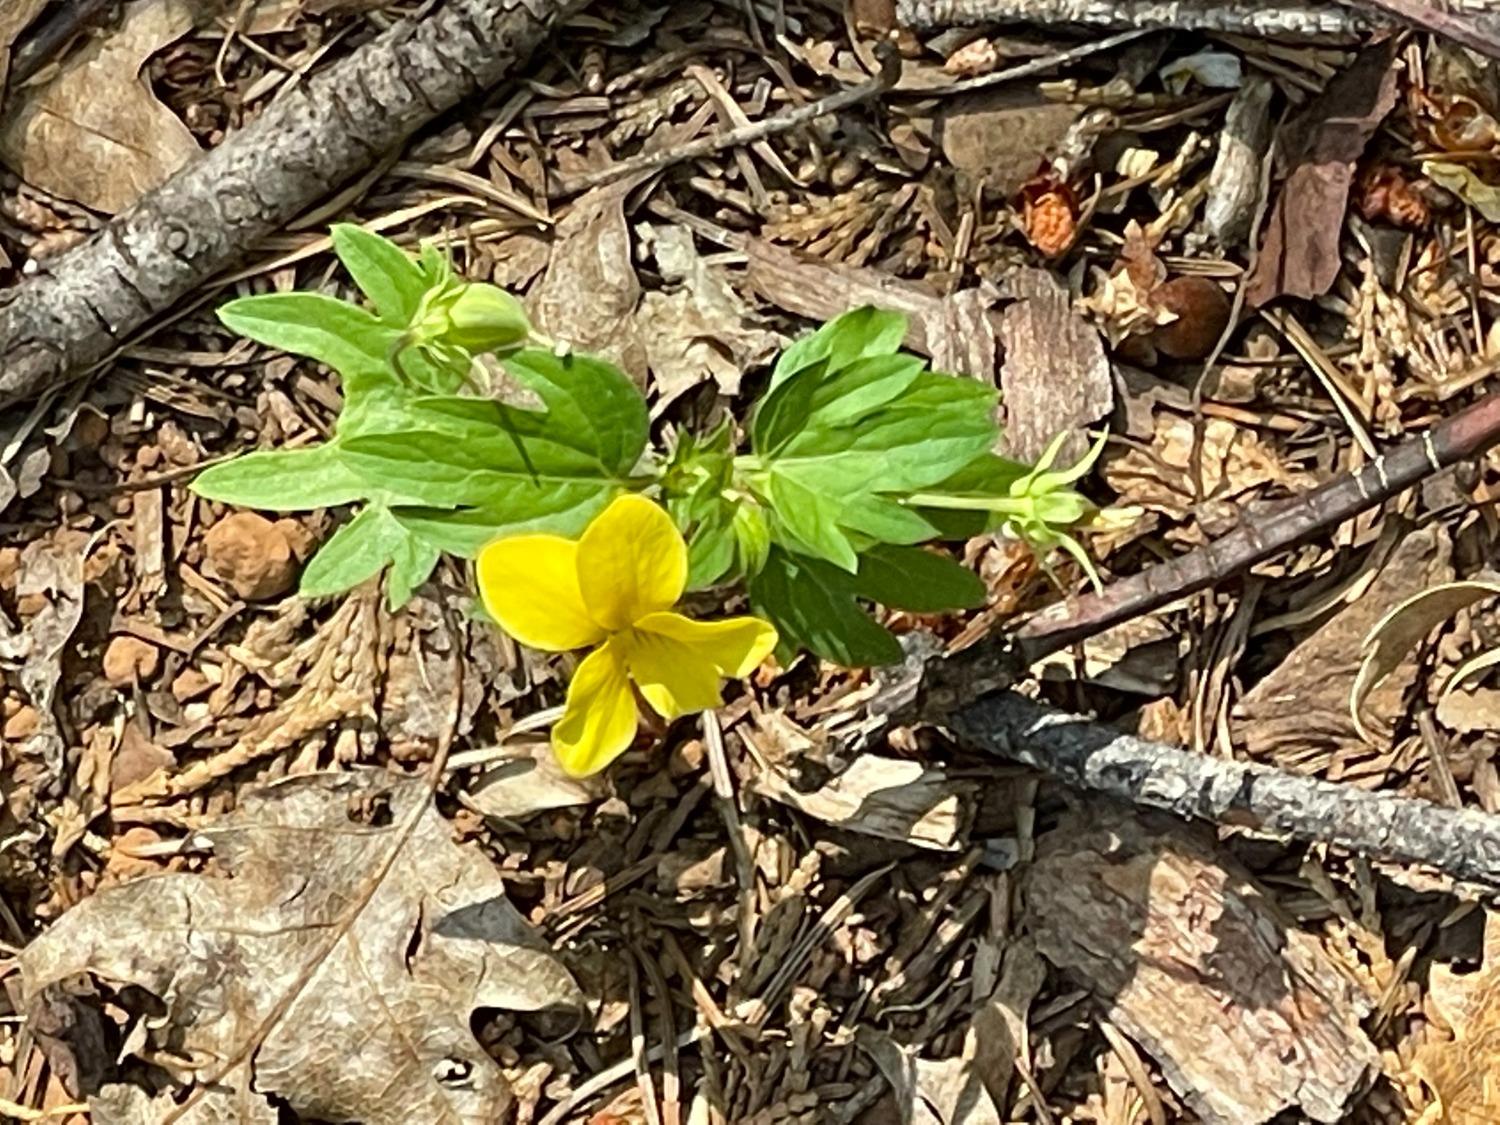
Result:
x=1202 y=314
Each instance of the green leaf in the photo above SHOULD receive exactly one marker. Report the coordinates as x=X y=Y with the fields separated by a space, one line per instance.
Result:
x=464 y=531
x=518 y=466
x=861 y=332
x=814 y=606
x=385 y=273
x=344 y=336
x=839 y=482
x=283 y=480
x=918 y=581
x=711 y=550
x=412 y=562
x=357 y=551
x=361 y=549
x=811 y=520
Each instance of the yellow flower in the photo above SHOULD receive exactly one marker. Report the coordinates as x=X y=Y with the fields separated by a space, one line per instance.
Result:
x=614 y=588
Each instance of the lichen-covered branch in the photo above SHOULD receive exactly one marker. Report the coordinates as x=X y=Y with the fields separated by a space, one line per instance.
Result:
x=1292 y=19
x=207 y=217
x=1462 y=843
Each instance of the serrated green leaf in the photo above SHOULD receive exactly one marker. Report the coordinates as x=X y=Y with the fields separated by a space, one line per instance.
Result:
x=814 y=606
x=516 y=466
x=811 y=520
x=861 y=332
x=917 y=581
x=283 y=480
x=385 y=273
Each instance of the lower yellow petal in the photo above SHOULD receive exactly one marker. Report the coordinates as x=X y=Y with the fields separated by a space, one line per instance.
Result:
x=529 y=584
x=735 y=646
x=674 y=678
x=631 y=561
x=598 y=724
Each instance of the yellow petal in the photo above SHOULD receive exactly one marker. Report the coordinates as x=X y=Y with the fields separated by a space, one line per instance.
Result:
x=529 y=584
x=598 y=724
x=675 y=678
x=631 y=561
x=735 y=646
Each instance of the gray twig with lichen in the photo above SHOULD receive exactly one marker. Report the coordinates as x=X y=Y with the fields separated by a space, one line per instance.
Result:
x=1461 y=843
x=1297 y=20
x=203 y=220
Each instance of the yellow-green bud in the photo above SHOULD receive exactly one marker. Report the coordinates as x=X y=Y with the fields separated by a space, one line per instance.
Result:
x=485 y=318
x=473 y=316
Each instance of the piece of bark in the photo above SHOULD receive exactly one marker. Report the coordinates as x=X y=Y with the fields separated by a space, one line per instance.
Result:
x=1474 y=23
x=1461 y=843
x=1234 y=183
x=315 y=137
x=1055 y=377
x=1298 y=716
x=1307 y=19
x=1246 y=1015
x=1299 y=254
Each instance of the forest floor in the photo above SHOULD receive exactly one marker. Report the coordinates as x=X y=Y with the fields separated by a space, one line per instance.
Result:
x=764 y=924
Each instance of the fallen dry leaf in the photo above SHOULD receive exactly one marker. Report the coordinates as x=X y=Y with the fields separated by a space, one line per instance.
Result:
x=15 y=17
x=1298 y=716
x=96 y=133
x=927 y=1091
x=381 y=1031
x=529 y=780
x=1391 y=641
x=52 y=571
x=1464 y=1074
x=588 y=295
x=1299 y=254
x=699 y=330
x=1233 y=461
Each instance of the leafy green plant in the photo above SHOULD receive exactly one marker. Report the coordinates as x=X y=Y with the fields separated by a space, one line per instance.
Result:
x=460 y=427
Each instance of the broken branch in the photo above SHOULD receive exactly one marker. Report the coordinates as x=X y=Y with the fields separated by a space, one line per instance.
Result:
x=1461 y=843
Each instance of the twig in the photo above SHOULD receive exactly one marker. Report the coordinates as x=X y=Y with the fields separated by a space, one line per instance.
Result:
x=1467 y=434
x=318 y=135
x=1474 y=23
x=1461 y=843
x=1293 y=19
x=743 y=135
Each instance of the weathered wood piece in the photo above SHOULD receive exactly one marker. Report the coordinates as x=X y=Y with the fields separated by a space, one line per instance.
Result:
x=1462 y=843
x=1247 y=1016
x=206 y=218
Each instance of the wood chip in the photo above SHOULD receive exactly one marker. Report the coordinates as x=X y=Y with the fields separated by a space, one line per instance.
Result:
x=1247 y=1016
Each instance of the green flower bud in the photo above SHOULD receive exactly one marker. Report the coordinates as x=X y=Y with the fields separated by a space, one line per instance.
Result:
x=485 y=318
x=473 y=316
